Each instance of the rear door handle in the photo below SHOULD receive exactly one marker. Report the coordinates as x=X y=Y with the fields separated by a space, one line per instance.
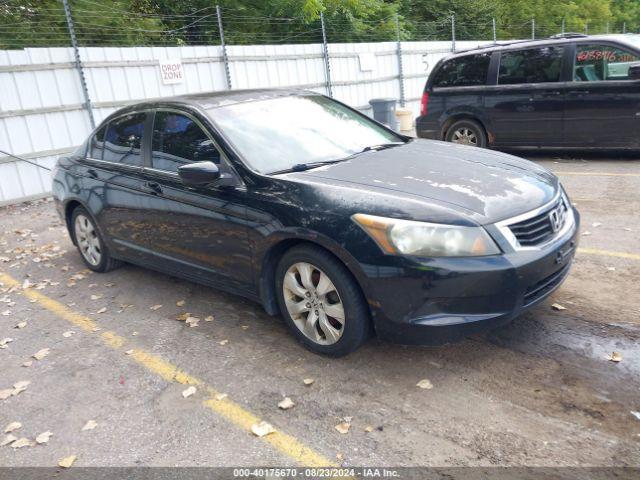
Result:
x=553 y=93
x=154 y=188
x=92 y=173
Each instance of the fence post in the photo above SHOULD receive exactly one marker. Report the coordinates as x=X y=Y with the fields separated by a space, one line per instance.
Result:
x=225 y=57
x=586 y=28
x=400 y=68
x=607 y=27
x=624 y=27
x=563 y=25
x=495 y=35
x=533 y=29
x=453 y=33
x=325 y=54
x=76 y=52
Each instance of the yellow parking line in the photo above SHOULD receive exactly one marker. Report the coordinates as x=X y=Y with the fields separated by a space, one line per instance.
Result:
x=599 y=174
x=609 y=253
x=226 y=408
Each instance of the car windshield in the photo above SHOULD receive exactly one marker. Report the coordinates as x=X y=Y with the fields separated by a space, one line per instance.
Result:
x=277 y=134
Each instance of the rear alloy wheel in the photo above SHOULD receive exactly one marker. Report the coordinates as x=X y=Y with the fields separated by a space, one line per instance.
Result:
x=467 y=132
x=90 y=243
x=320 y=301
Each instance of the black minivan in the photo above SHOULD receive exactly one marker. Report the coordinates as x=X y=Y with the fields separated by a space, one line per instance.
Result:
x=569 y=91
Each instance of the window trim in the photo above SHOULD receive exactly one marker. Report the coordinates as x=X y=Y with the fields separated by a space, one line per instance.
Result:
x=607 y=43
x=563 y=59
x=224 y=160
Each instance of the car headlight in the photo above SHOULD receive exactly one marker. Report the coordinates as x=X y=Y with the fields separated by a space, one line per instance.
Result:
x=421 y=239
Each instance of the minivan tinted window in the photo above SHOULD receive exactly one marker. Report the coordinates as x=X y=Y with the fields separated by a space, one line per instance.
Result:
x=463 y=71
x=123 y=141
x=595 y=63
x=536 y=65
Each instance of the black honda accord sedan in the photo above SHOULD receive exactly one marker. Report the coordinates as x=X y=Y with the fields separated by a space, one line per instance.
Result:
x=319 y=213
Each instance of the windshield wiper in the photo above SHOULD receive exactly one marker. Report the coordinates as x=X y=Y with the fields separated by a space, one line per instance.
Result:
x=301 y=167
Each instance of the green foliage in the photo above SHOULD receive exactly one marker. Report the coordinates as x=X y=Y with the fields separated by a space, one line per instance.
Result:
x=194 y=22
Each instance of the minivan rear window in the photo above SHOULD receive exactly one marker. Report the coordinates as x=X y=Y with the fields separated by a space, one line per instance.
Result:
x=463 y=71
x=536 y=65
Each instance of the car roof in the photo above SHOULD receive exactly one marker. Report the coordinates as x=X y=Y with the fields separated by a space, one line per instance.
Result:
x=209 y=100
x=554 y=40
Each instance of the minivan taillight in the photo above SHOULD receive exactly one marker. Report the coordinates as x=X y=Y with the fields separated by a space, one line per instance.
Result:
x=423 y=103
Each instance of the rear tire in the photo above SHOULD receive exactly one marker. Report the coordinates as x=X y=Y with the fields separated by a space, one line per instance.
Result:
x=90 y=243
x=320 y=301
x=467 y=132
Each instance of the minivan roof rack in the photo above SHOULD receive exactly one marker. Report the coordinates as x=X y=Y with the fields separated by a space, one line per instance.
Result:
x=569 y=35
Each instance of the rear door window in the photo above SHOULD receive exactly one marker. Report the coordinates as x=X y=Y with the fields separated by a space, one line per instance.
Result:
x=123 y=140
x=595 y=63
x=463 y=71
x=178 y=140
x=536 y=65
x=97 y=144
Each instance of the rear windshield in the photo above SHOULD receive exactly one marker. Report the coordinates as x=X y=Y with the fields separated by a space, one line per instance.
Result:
x=464 y=71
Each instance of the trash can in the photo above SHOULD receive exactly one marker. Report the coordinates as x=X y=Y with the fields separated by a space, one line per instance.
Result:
x=384 y=110
x=405 y=117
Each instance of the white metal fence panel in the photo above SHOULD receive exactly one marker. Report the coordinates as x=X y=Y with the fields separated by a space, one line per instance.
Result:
x=42 y=111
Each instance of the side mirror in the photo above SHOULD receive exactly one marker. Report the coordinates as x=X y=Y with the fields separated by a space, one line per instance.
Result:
x=634 y=71
x=199 y=173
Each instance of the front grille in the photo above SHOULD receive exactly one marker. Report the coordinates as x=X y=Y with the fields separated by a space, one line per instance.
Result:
x=542 y=227
x=544 y=286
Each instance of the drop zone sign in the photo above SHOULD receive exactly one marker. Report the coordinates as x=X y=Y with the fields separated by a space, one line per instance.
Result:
x=171 y=71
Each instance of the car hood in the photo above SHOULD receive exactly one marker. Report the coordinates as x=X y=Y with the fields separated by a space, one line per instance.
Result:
x=484 y=185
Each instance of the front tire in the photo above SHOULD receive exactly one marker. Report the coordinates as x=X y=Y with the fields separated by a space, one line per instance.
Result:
x=91 y=245
x=321 y=302
x=467 y=132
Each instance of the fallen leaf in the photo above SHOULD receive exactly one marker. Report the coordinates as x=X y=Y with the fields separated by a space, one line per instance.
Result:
x=6 y=341
x=96 y=329
x=134 y=334
x=12 y=427
x=155 y=307
x=6 y=313
x=557 y=306
x=129 y=352
x=180 y=303
x=368 y=429
x=614 y=357
x=286 y=404
x=192 y=321
x=189 y=391
x=183 y=317
x=40 y=354
x=586 y=234
x=66 y=462
x=343 y=427
x=424 y=383
x=209 y=318
x=339 y=456
x=7 y=440
x=96 y=297
x=596 y=224
x=635 y=414
x=223 y=342
x=43 y=437
x=21 y=325
x=244 y=327
x=20 y=387
x=68 y=334
x=6 y=393
x=220 y=396
x=21 y=442
x=102 y=310
x=308 y=381
x=261 y=429
x=90 y=425
x=109 y=285
x=28 y=363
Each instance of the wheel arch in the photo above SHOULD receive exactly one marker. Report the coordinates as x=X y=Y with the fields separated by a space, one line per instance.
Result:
x=278 y=247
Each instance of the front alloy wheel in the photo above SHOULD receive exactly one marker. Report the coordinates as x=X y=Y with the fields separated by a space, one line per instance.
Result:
x=88 y=241
x=313 y=303
x=320 y=301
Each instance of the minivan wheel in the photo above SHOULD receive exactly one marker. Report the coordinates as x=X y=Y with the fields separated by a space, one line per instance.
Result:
x=467 y=132
x=90 y=243
x=320 y=302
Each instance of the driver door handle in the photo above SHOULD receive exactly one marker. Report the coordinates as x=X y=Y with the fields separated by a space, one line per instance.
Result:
x=153 y=187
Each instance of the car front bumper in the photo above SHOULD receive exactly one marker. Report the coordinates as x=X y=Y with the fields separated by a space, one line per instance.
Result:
x=442 y=300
